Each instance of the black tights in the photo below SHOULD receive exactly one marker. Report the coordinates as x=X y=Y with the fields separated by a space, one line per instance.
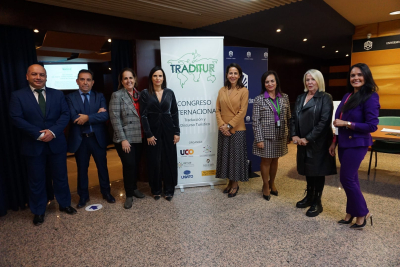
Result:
x=316 y=181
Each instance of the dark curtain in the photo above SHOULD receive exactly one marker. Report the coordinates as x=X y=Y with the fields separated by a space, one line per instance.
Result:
x=121 y=57
x=17 y=52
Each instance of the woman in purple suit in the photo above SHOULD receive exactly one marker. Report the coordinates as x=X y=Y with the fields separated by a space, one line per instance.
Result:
x=355 y=118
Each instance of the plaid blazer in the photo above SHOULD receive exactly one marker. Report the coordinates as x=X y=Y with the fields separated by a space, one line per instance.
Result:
x=264 y=126
x=124 y=118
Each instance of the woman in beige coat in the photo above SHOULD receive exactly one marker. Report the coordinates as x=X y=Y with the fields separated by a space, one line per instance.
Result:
x=232 y=104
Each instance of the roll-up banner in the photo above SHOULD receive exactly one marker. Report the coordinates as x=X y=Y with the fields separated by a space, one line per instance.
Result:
x=194 y=68
x=254 y=62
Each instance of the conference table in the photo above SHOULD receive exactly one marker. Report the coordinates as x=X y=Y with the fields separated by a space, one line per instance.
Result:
x=386 y=136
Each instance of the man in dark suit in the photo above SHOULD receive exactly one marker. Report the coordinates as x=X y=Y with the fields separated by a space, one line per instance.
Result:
x=88 y=135
x=41 y=113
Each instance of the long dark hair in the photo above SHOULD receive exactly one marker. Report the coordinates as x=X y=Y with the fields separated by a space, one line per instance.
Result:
x=366 y=90
x=163 y=85
x=264 y=77
x=120 y=86
x=239 y=82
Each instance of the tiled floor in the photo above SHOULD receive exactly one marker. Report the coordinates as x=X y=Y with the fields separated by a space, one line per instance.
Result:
x=202 y=227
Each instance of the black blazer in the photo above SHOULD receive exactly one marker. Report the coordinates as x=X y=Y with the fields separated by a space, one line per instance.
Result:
x=159 y=118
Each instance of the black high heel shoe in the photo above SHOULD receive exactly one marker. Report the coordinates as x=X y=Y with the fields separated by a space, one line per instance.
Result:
x=359 y=227
x=275 y=193
x=267 y=198
x=226 y=190
x=346 y=222
x=234 y=194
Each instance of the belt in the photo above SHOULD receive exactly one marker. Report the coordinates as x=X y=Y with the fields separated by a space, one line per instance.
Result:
x=88 y=134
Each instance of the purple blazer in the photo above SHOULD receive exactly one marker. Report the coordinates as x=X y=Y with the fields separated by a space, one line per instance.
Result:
x=365 y=116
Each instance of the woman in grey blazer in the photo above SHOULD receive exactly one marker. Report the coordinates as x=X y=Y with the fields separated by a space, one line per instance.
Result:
x=125 y=119
x=271 y=114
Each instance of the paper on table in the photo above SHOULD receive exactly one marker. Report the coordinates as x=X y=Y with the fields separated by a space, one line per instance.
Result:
x=390 y=130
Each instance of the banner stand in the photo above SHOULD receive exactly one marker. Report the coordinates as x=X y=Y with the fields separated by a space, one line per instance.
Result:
x=194 y=70
x=211 y=184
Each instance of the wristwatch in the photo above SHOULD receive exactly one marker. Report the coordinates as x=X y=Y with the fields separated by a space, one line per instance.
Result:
x=348 y=124
x=229 y=126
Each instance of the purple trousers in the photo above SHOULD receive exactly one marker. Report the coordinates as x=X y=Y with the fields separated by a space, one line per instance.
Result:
x=350 y=160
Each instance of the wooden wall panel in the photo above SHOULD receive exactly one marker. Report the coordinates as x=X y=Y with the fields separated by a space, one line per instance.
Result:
x=391 y=86
x=338 y=82
x=389 y=101
x=380 y=29
x=385 y=71
x=389 y=28
x=343 y=68
x=361 y=31
x=373 y=58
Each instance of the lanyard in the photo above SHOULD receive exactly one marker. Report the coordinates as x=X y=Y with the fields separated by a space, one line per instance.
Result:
x=277 y=108
x=341 y=113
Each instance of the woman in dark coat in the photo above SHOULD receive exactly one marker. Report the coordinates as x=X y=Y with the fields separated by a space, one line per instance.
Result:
x=312 y=132
x=160 y=121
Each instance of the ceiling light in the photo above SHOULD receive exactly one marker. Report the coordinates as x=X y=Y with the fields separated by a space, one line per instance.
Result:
x=323 y=46
x=347 y=55
x=278 y=30
x=337 y=51
x=395 y=13
x=109 y=69
x=305 y=39
x=36 y=30
x=109 y=40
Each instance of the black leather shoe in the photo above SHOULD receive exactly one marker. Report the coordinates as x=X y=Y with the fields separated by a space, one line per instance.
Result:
x=168 y=197
x=275 y=193
x=234 y=194
x=38 y=219
x=361 y=226
x=226 y=190
x=346 y=222
x=109 y=198
x=138 y=194
x=157 y=197
x=308 y=200
x=267 y=198
x=82 y=202
x=69 y=210
x=316 y=207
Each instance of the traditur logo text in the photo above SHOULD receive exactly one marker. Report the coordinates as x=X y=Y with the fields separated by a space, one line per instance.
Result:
x=192 y=64
x=187 y=152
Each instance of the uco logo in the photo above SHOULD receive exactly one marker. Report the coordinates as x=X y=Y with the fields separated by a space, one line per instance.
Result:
x=187 y=174
x=245 y=79
x=230 y=53
x=187 y=152
x=368 y=45
x=266 y=55
x=247 y=118
x=248 y=54
x=192 y=64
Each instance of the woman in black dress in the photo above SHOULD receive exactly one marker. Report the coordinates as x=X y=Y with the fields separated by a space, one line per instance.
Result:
x=160 y=121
